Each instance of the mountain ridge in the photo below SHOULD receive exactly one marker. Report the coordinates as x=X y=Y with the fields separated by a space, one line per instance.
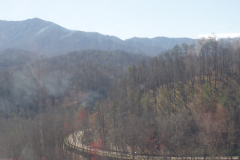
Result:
x=50 y=39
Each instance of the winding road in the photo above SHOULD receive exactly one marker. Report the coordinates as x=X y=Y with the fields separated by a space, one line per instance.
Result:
x=73 y=141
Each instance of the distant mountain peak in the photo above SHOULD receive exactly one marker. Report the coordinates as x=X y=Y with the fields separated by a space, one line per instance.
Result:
x=51 y=39
x=37 y=20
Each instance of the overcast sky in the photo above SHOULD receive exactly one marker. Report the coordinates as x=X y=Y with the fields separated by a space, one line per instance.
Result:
x=132 y=18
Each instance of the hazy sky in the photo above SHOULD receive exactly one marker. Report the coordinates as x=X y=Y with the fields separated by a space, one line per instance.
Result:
x=132 y=18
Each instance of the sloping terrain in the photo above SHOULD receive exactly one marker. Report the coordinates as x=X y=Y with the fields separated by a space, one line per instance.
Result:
x=80 y=76
x=51 y=39
x=163 y=42
x=11 y=58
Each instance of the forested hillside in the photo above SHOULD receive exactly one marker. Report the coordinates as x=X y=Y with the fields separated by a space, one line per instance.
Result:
x=12 y=58
x=39 y=100
x=184 y=103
